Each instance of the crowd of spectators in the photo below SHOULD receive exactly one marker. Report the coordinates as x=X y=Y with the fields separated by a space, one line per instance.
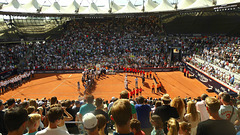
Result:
x=219 y=57
x=225 y=54
x=185 y=116
x=118 y=42
x=230 y=78
x=11 y=55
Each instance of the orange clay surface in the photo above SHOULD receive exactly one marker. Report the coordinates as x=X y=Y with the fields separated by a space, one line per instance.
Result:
x=47 y=85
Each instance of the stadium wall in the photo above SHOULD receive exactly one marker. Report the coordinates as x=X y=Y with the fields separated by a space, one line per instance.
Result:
x=7 y=74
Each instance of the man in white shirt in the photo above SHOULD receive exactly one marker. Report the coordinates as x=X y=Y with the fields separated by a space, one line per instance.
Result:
x=201 y=107
x=136 y=82
x=55 y=115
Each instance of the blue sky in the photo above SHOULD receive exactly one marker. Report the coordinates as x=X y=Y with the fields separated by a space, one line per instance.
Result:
x=86 y=2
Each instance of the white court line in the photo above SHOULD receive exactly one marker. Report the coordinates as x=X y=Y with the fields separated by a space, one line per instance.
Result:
x=24 y=89
x=18 y=92
x=59 y=84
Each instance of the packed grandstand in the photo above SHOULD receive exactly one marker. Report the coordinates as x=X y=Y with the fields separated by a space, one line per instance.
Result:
x=95 y=39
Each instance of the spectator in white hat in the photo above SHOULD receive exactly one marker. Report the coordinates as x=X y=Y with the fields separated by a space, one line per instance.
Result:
x=90 y=124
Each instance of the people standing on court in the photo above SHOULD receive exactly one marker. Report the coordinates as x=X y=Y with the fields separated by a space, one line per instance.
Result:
x=126 y=84
x=153 y=88
x=136 y=82
x=215 y=125
x=137 y=92
x=150 y=73
x=159 y=87
x=185 y=71
x=133 y=92
x=78 y=84
x=143 y=79
x=188 y=73
x=140 y=90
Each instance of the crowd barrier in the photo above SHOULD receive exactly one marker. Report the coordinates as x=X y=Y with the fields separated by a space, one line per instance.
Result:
x=9 y=73
x=212 y=83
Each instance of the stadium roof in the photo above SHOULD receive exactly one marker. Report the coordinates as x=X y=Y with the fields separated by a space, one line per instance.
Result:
x=82 y=7
x=129 y=8
x=149 y=5
x=32 y=6
x=185 y=3
x=31 y=17
x=114 y=7
x=201 y=4
x=164 y=6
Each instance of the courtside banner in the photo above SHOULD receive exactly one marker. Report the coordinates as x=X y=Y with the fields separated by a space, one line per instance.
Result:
x=57 y=71
x=7 y=74
x=210 y=82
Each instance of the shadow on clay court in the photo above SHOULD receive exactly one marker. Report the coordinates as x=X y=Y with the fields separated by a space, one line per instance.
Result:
x=146 y=85
x=163 y=90
x=41 y=76
x=102 y=77
x=46 y=82
x=135 y=75
x=159 y=94
x=92 y=87
x=120 y=74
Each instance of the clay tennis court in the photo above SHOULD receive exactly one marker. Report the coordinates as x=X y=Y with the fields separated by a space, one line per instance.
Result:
x=48 y=85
